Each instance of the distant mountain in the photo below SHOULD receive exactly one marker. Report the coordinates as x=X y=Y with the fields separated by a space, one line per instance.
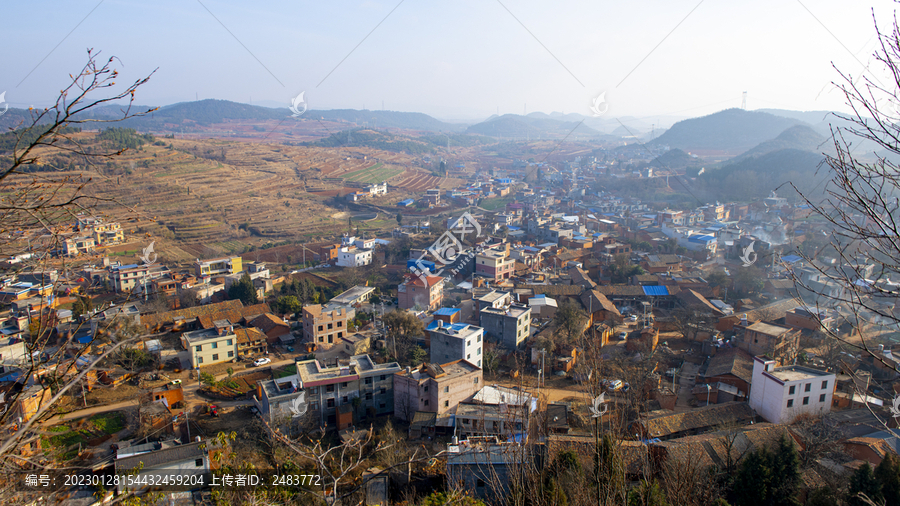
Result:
x=379 y=139
x=731 y=130
x=386 y=119
x=799 y=137
x=811 y=117
x=514 y=125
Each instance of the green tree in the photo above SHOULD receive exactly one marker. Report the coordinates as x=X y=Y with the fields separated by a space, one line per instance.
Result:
x=399 y=219
x=718 y=278
x=786 y=472
x=863 y=482
x=622 y=269
x=418 y=355
x=287 y=304
x=749 y=280
x=609 y=472
x=82 y=305
x=888 y=475
x=767 y=477
x=647 y=493
x=752 y=484
x=244 y=290
x=207 y=379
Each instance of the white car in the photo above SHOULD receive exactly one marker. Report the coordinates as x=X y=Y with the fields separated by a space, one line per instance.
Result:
x=262 y=361
x=633 y=318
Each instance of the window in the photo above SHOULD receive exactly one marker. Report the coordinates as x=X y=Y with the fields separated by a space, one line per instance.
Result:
x=198 y=348
x=808 y=387
x=469 y=356
x=479 y=351
x=425 y=403
x=330 y=326
x=822 y=398
x=369 y=396
x=329 y=403
x=480 y=483
x=215 y=345
x=805 y=401
x=340 y=324
x=446 y=404
x=314 y=406
x=229 y=342
x=216 y=356
x=321 y=328
x=475 y=381
x=790 y=403
x=368 y=381
x=479 y=338
x=329 y=388
x=199 y=360
x=382 y=391
x=382 y=377
x=446 y=389
x=791 y=390
x=340 y=335
x=425 y=389
x=824 y=385
x=345 y=400
x=382 y=405
x=230 y=354
x=198 y=463
x=344 y=385
x=468 y=343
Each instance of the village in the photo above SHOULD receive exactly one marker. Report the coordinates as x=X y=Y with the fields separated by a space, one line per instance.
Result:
x=514 y=322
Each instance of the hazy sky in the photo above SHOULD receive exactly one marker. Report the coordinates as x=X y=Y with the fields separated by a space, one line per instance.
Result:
x=457 y=59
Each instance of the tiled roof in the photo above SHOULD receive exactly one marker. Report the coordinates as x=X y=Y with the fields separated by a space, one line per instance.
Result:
x=267 y=322
x=705 y=417
x=554 y=290
x=235 y=316
x=162 y=457
x=621 y=290
x=155 y=320
x=249 y=335
x=693 y=299
x=717 y=448
x=594 y=300
x=735 y=361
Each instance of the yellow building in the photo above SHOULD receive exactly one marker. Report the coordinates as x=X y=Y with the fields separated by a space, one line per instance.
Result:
x=218 y=266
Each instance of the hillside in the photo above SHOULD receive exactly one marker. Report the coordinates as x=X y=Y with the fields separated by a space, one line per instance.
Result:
x=799 y=137
x=674 y=159
x=755 y=177
x=514 y=125
x=728 y=130
x=385 y=119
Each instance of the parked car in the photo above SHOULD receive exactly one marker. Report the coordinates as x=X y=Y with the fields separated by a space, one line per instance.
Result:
x=262 y=361
x=623 y=335
x=633 y=318
x=175 y=382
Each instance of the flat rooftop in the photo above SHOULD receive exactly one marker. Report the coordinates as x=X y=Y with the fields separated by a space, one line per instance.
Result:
x=768 y=328
x=201 y=335
x=493 y=296
x=352 y=295
x=797 y=373
x=511 y=311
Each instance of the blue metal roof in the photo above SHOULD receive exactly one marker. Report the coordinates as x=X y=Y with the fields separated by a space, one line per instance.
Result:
x=447 y=311
x=656 y=291
x=702 y=238
x=791 y=258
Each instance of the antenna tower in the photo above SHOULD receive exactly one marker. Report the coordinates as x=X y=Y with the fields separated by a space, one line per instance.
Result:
x=744 y=101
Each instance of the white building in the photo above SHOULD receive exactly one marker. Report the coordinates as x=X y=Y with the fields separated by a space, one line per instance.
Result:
x=456 y=341
x=781 y=394
x=351 y=256
x=377 y=189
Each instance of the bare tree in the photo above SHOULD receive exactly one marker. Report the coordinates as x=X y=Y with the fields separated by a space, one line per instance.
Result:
x=861 y=207
x=35 y=197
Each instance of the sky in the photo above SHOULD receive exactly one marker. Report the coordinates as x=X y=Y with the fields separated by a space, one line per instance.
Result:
x=455 y=60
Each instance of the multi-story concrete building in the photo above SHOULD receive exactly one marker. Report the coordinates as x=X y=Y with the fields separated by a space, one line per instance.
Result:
x=457 y=341
x=425 y=292
x=217 y=266
x=79 y=245
x=127 y=277
x=781 y=394
x=494 y=264
x=211 y=346
x=435 y=388
x=326 y=325
x=510 y=325
x=329 y=393
x=351 y=256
